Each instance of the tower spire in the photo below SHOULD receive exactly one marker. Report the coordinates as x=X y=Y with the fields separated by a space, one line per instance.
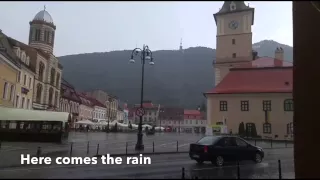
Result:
x=181 y=45
x=44 y=7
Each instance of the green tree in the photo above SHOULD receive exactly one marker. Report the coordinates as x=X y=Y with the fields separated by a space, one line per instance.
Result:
x=241 y=130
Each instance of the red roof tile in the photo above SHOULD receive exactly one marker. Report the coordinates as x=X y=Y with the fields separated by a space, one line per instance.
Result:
x=192 y=112
x=256 y=80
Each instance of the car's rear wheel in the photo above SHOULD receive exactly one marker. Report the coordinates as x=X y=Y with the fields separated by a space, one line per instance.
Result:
x=219 y=161
x=199 y=161
x=258 y=157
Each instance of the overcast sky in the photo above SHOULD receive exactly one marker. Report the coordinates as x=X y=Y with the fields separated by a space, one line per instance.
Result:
x=85 y=27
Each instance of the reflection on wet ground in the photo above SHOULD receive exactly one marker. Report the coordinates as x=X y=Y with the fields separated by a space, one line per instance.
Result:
x=164 y=167
x=92 y=143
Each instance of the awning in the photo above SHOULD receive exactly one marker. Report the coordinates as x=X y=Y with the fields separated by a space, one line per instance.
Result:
x=14 y=114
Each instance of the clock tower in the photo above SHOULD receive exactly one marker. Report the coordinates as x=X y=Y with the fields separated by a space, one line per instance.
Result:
x=234 y=37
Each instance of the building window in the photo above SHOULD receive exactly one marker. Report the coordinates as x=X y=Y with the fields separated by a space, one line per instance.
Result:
x=290 y=128
x=57 y=99
x=38 y=33
x=50 y=96
x=288 y=105
x=58 y=80
x=39 y=93
x=30 y=82
x=266 y=105
x=223 y=106
x=45 y=36
x=233 y=41
x=234 y=55
x=53 y=73
x=22 y=102
x=41 y=71
x=11 y=92
x=17 y=101
x=19 y=76
x=5 y=88
x=25 y=80
x=52 y=37
x=244 y=105
x=267 y=128
x=249 y=127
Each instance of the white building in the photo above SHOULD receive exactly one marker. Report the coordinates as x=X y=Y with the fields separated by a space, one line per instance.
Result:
x=99 y=113
x=151 y=113
x=120 y=114
x=86 y=108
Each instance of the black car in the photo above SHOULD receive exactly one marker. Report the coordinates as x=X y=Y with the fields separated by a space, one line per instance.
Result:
x=219 y=149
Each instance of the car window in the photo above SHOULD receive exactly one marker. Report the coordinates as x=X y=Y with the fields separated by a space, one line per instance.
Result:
x=208 y=140
x=226 y=141
x=241 y=143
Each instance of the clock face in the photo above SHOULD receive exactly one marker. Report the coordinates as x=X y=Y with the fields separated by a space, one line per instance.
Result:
x=233 y=25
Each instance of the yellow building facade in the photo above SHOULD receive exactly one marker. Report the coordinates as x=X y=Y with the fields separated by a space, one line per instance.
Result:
x=25 y=80
x=8 y=79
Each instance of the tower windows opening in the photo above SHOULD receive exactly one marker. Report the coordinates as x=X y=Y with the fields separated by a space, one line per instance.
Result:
x=233 y=41
x=234 y=55
x=37 y=36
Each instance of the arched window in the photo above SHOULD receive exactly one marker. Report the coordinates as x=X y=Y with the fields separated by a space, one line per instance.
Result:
x=5 y=90
x=267 y=128
x=288 y=105
x=57 y=99
x=50 y=95
x=53 y=73
x=41 y=71
x=58 y=80
x=11 y=92
x=39 y=93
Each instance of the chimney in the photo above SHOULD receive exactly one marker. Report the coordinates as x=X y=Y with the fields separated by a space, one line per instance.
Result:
x=278 y=53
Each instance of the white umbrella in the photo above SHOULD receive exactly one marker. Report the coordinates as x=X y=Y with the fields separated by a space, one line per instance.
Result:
x=87 y=122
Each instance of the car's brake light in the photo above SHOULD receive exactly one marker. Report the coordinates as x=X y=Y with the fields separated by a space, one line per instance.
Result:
x=205 y=149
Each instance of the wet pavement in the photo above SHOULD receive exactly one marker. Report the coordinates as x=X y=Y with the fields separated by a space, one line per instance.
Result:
x=163 y=167
x=93 y=143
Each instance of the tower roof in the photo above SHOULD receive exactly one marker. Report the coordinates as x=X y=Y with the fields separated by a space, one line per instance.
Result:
x=238 y=7
x=43 y=16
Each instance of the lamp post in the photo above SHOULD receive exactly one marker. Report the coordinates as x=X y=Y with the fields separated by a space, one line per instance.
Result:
x=145 y=54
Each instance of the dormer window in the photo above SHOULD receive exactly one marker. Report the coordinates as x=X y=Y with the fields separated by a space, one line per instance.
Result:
x=232 y=6
x=23 y=57
x=18 y=53
x=28 y=60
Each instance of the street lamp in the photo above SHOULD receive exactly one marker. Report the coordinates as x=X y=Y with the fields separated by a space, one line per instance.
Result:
x=145 y=55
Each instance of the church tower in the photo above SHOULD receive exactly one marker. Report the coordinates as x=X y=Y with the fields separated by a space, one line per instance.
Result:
x=234 y=37
x=42 y=30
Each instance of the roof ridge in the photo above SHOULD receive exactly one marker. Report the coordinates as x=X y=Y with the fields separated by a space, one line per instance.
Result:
x=260 y=68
